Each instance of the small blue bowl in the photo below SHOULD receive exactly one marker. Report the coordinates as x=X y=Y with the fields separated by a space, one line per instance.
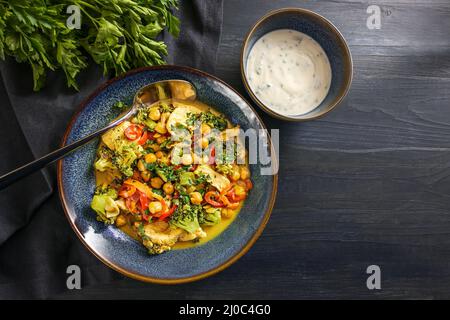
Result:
x=117 y=250
x=321 y=30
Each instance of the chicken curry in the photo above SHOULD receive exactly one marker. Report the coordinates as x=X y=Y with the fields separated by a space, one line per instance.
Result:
x=174 y=176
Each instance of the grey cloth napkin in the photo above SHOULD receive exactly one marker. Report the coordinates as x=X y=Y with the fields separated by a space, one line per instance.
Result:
x=36 y=242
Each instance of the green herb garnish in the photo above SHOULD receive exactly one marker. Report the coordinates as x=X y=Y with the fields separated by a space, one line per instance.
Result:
x=117 y=34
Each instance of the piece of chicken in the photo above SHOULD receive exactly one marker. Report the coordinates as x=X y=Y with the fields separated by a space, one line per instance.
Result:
x=159 y=237
x=187 y=236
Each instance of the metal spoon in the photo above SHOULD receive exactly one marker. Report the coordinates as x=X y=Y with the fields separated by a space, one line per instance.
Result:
x=147 y=95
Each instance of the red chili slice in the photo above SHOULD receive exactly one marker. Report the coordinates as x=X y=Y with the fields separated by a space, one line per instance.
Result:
x=212 y=156
x=233 y=205
x=127 y=191
x=143 y=139
x=211 y=197
x=150 y=135
x=143 y=202
x=168 y=213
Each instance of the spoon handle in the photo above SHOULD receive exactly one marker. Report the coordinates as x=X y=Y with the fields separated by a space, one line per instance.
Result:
x=146 y=96
x=21 y=172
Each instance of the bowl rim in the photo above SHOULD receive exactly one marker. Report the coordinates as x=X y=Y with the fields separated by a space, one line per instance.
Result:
x=137 y=276
x=332 y=27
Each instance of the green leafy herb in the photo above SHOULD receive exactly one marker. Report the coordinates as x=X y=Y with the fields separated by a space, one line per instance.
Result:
x=117 y=34
x=165 y=172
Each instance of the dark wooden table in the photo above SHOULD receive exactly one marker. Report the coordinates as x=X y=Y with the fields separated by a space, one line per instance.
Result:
x=368 y=184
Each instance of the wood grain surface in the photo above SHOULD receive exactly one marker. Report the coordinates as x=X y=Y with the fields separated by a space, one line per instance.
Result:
x=368 y=184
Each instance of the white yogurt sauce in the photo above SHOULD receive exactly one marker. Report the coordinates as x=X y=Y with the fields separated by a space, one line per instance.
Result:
x=289 y=72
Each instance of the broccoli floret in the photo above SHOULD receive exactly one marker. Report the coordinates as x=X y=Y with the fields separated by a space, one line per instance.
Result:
x=143 y=118
x=165 y=107
x=106 y=191
x=187 y=217
x=103 y=164
x=187 y=178
x=104 y=159
x=106 y=208
x=125 y=157
x=210 y=216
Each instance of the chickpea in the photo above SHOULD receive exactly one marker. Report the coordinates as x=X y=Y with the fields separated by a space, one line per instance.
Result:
x=205 y=129
x=245 y=173
x=164 y=117
x=154 y=207
x=156 y=182
x=121 y=220
x=161 y=128
x=226 y=213
x=186 y=159
x=241 y=183
x=155 y=115
x=168 y=188
x=235 y=175
x=204 y=143
x=190 y=189
x=160 y=140
x=141 y=165
x=239 y=190
x=196 y=197
x=159 y=154
x=150 y=158
x=164 y=160
x=155 y=147
x=146 y=175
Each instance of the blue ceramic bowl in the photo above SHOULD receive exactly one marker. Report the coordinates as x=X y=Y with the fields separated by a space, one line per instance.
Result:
x=321 y=30
x=115 y=248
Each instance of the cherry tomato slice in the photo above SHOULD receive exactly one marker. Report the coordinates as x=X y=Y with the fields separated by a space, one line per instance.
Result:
x=133 y=132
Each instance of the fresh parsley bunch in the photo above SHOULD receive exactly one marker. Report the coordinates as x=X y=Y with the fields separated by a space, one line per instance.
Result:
x=118 y=34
